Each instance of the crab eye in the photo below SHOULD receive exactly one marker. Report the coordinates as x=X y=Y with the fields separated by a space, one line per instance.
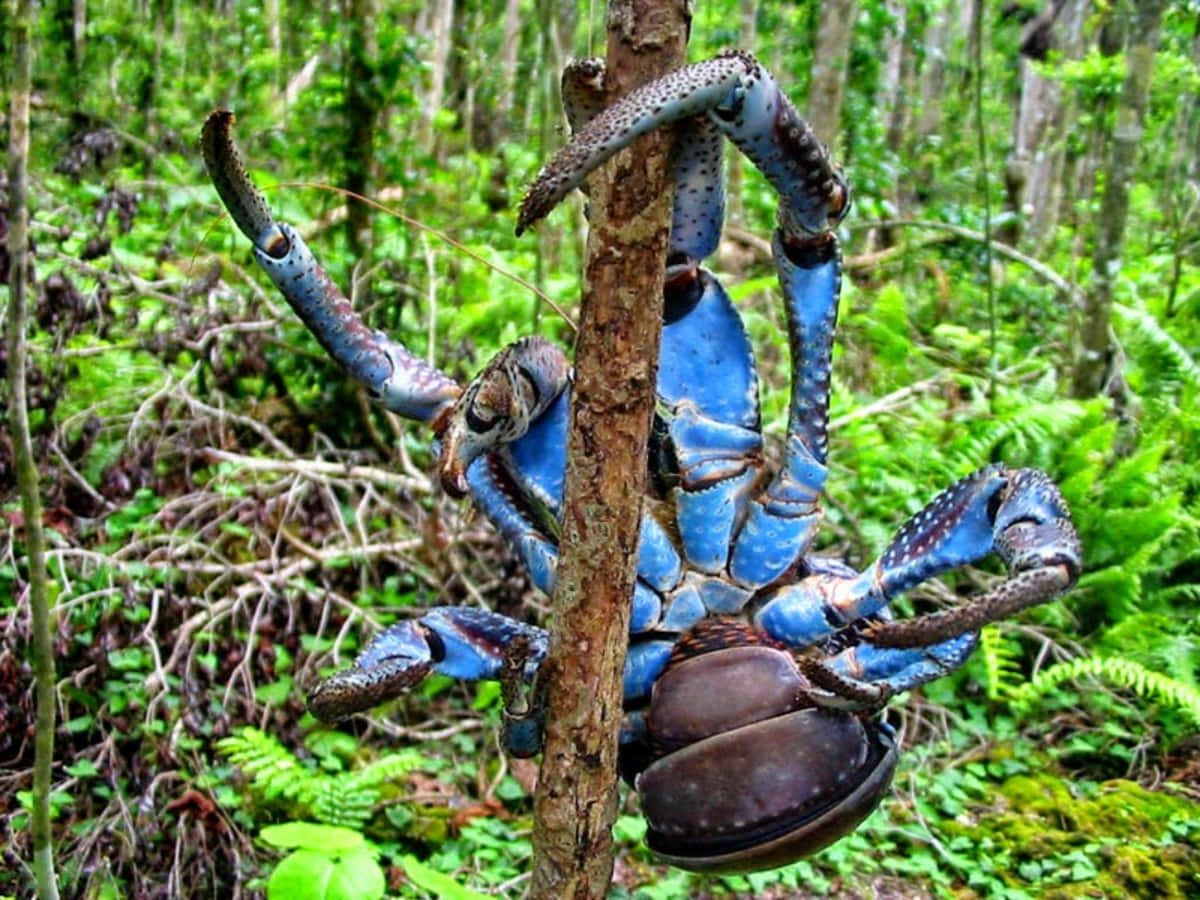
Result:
x=481 y=418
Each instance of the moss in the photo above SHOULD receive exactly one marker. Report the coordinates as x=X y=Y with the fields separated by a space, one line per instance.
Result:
x=1117 y=840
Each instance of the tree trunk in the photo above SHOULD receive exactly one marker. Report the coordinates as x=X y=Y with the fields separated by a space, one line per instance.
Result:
x=831 y=58
x=1037 y=145
x=23 y=15
x=893 y=98
x=361 y=110
x=508 y=69
x=442 y=26
x=616 y=366
x=932 y=81
x=1092 y=360
x=1049 y=168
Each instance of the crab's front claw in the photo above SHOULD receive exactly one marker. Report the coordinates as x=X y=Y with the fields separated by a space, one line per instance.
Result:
x=1033 y=534
x=404 y=383
x=499 y=405
x=460 y=642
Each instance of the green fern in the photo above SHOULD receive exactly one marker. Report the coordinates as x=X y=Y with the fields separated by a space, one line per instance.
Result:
x=1001 y=660
x=1165 y=363
x=1124 y=673
x=342 y=798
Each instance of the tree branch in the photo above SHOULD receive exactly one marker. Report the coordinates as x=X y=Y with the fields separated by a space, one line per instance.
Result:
x=23 y=14
x=616 y=367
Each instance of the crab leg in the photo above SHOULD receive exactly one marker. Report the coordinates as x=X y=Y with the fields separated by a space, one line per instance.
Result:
x=461 y=642
x=782 y=521
x=745 y=103
x=404 y=383
x=1018 y=514
x=717 y=462
x=885 y=671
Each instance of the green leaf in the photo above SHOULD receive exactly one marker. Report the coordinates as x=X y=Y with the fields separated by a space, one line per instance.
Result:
x=83 y=768
x=319 y=875
x=442 y=886
x=312 y=836
x=276 y=693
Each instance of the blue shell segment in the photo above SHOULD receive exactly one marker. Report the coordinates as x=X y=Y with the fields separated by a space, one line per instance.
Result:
x=768 y=544
x=647 y=607
x=708 y=451
x=707 y=361
x=706 y=520
x=815 y=607
x=903 y=670
x=538 y=554
x=405 y=383
x=643 y=664
x=699 y=208
x=810 y=293
x=659 y=564
x=762 y=122
x=539 y=456
x=718 y=595
x=470 y=643
x=684 y=609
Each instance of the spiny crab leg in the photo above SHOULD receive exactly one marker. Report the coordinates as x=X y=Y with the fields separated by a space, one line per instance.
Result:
x=690 y=91
x=1034 y=536
x=699 y=209
x=488 y=419
x=1018 y=514
x=497 y=406
x=457 y=641
x=746 y=104
x=403 y=382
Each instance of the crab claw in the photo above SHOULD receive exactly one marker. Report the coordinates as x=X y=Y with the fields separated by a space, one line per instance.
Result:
x=1034 y=536
x=460 y=642
x=247 y=207
x=498 y=406
x=398 y=659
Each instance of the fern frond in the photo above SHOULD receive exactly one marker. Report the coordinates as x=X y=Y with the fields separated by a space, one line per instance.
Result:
x=1166 y=354
x=1000 y=662
x=274 y=770
x=1124 y=673
x=348 y=799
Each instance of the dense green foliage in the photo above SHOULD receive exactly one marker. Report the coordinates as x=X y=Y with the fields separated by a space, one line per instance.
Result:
x=213 y=552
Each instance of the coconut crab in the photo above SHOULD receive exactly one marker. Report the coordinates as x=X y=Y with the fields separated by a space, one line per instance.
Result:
x=801 y=649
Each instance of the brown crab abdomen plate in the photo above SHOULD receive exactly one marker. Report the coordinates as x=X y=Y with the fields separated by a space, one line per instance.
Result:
x=768 y=793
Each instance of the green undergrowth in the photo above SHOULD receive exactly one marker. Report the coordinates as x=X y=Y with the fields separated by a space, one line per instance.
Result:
x=1052 y=838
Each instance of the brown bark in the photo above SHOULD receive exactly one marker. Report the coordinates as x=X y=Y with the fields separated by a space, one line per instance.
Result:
x=616 y=365
x=1092 y=362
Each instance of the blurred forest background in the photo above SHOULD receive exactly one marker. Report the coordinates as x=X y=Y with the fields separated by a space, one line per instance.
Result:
x=228 y=518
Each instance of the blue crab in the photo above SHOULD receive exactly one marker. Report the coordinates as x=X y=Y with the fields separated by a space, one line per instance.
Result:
x=799 y=650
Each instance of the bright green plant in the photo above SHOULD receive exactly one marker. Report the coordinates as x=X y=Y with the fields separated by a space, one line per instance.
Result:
x=326 y=863
x=345 y=798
